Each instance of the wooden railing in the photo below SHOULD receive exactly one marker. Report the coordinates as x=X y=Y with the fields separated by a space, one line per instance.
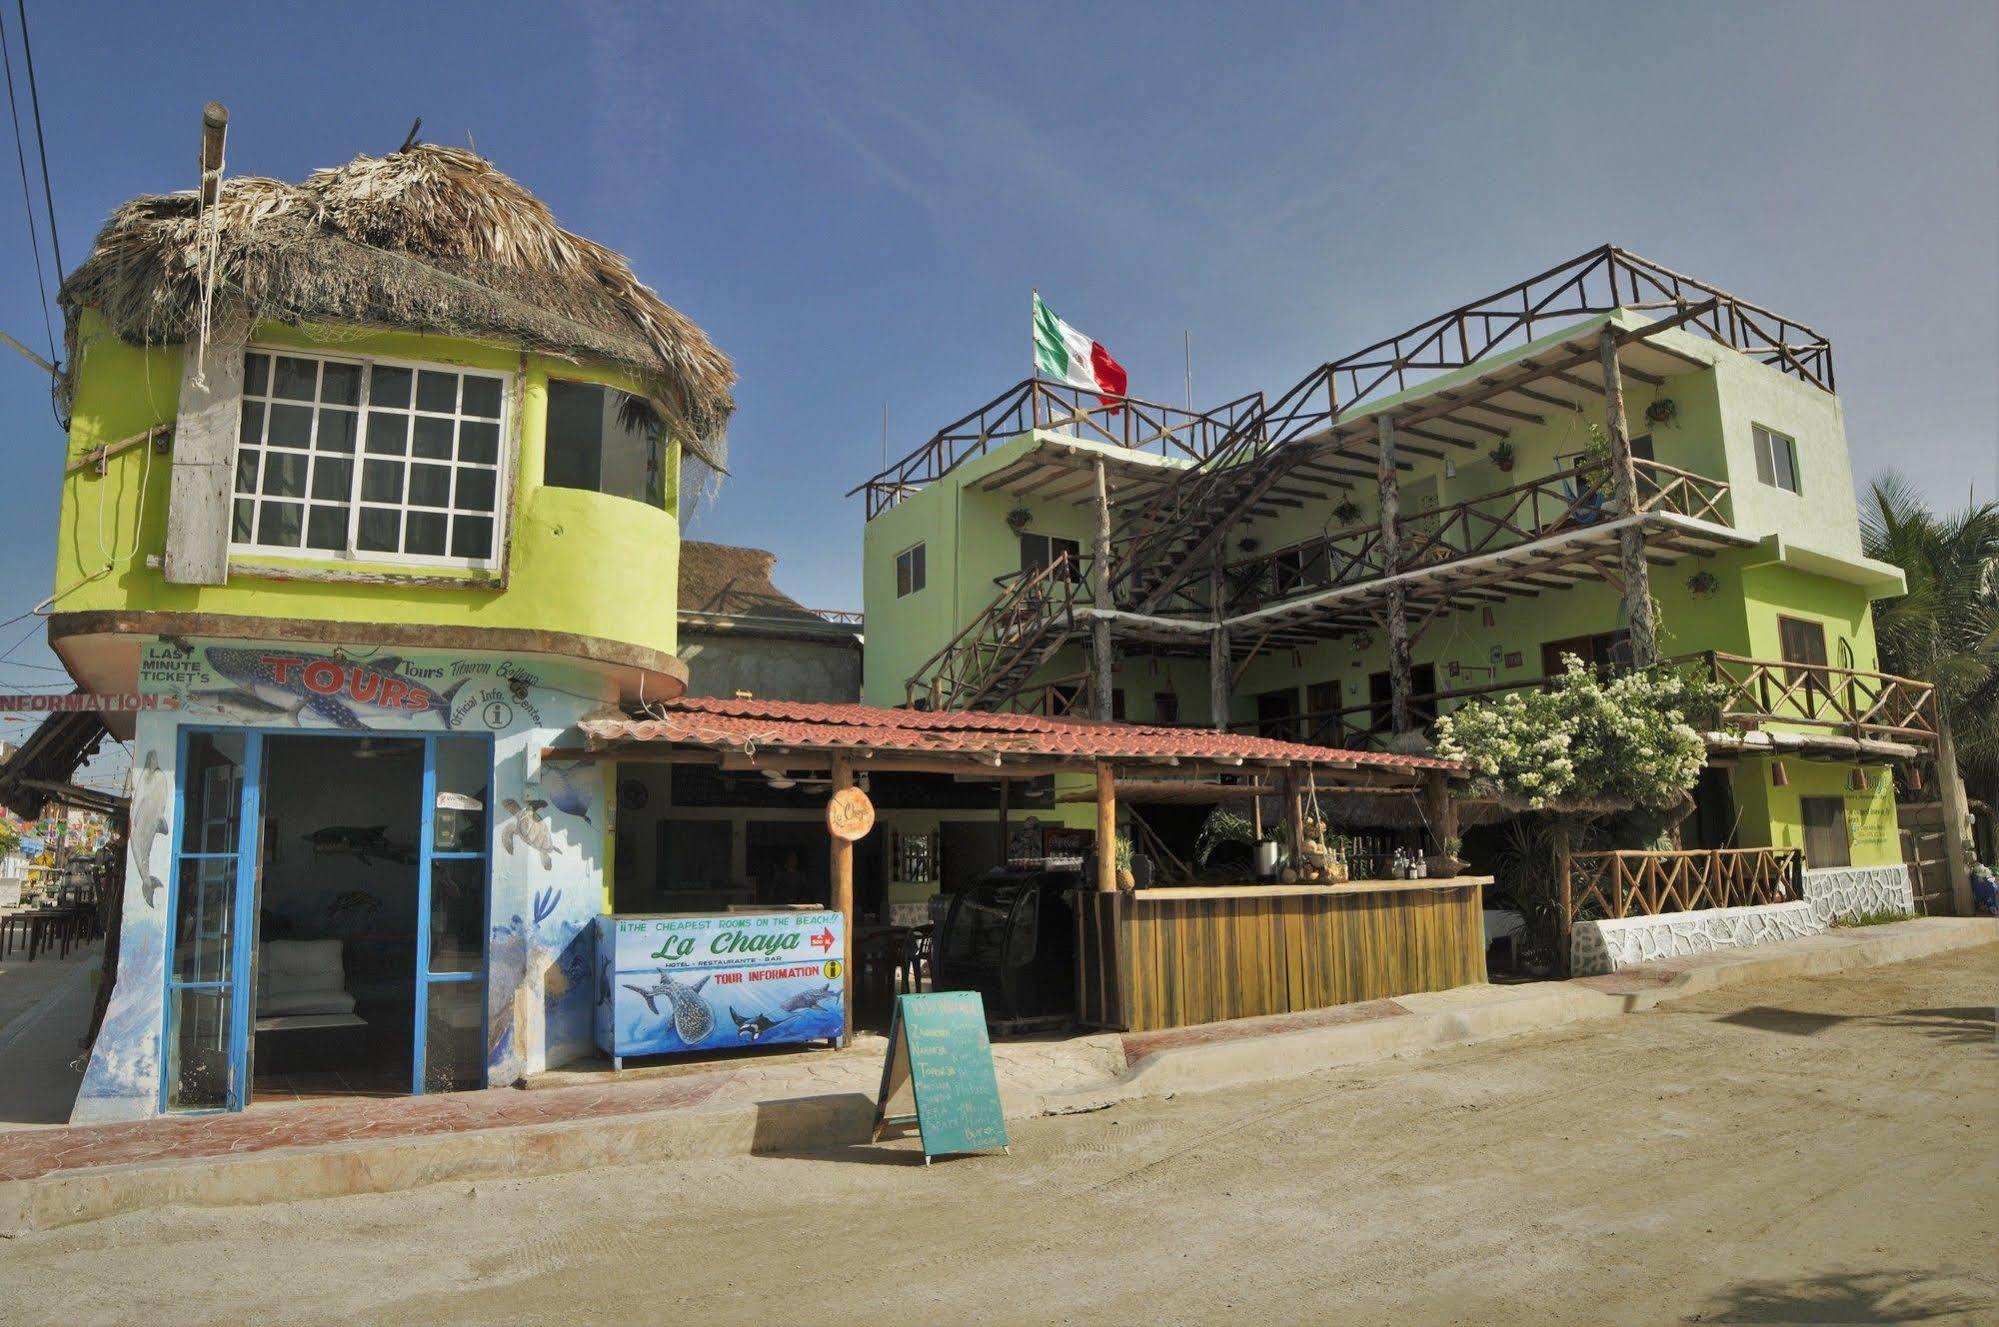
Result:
x=1003 y=640
x=1182 y=521
x=1122 y=421
x=1643 y=884
x=1849 y=701
x=1570 y=499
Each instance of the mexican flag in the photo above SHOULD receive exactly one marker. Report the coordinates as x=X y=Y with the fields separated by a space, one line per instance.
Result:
x=1065 y=355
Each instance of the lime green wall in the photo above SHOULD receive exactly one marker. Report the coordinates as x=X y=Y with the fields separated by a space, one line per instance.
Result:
x=1772 y=591
x=968 y=544
x=580 y=562
x=1770 y=817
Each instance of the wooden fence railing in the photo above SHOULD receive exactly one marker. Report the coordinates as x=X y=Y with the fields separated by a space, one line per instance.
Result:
x=1542 y=508
x=1851 y=701
x=1597 y=885
x=1122 y=421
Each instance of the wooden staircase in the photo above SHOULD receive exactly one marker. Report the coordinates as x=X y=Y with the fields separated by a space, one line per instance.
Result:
x=1173 y=536
x=988 y=662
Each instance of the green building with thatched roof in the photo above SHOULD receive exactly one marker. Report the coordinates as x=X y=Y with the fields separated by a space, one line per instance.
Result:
x=373 y=490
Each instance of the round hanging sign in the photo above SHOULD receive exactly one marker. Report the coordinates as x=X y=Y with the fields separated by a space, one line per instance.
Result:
x=850 y=815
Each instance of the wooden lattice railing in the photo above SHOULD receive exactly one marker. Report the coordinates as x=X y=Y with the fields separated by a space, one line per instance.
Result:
x=1643 y=884
x=1849 y=701
x=1183 y=522
x=1555 y=504
x=1121 y=421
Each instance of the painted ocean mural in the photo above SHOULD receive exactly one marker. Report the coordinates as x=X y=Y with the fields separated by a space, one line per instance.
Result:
x=546 y=841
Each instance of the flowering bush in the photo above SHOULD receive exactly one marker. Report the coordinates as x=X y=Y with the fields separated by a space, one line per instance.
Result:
x=1586 y=742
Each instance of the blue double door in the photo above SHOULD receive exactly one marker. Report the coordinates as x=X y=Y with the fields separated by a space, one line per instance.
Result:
x=264 y=859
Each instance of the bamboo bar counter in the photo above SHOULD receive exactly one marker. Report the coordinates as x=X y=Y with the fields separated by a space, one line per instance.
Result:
x=1161 y=958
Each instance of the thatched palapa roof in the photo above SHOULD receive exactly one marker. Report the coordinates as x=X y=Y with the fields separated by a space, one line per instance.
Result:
x=429 y=239
x=728 y=580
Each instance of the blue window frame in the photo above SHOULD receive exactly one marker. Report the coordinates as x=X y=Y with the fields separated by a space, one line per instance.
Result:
x=212 y=910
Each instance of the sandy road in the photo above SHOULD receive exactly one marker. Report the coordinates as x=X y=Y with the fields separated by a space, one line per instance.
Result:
x=1815 y=1150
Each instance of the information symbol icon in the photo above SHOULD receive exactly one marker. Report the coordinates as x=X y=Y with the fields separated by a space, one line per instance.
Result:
x=497 y=714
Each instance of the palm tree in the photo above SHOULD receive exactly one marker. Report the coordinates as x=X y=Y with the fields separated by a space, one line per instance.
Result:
x=1944 y=631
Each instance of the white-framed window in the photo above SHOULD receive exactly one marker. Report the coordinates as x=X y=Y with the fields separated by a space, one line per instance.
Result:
x=372 y=459
x=909 y=571
x=1776 y=459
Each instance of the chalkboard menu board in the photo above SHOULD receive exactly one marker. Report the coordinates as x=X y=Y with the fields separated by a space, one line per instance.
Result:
x=938 y=1054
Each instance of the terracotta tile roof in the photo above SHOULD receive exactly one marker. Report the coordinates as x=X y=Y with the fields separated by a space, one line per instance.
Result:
x=735 y=724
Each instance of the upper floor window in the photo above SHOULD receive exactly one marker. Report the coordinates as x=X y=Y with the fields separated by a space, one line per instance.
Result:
x=423 y=487
x=604 y=440
x=1040 y=550
x=909 y=577
x=1776 y=459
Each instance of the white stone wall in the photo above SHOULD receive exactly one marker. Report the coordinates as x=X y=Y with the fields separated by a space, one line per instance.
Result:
x=1832 y=894
x=1840 y=893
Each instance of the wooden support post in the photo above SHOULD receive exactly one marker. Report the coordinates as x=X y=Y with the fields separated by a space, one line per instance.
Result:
x=1218 y=648
x=1564 y=899
x=842 y=901
x=1005 y=796
x=1390 y=486
x=1631 y=539
x=1294 y=813
x=1440 y=810
x=1106 y=829
x=1100 y=576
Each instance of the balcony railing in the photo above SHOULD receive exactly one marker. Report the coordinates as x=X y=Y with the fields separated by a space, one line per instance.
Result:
x=1120 y=421
x=1843 y=702
x=1571 y=499
x=1847 y=701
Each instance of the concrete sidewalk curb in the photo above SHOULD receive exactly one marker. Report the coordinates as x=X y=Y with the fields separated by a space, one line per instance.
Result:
x=831 y=1121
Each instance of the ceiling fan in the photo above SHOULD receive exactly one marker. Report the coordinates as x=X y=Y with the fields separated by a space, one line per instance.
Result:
x=782 y=781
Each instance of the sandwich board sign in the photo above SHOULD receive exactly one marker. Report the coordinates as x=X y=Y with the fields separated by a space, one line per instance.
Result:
x=939 y=1059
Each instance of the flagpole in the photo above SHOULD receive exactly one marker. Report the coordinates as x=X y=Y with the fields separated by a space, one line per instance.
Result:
x=1033 y=358
x=1189 y=335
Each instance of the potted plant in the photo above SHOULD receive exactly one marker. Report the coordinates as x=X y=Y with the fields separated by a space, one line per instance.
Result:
x=1348 y=512
x=1450 y=861
x=1502 y=456
x=1018 y=519
x=1703 y=584
x=1665 y=411
x=1249 y=543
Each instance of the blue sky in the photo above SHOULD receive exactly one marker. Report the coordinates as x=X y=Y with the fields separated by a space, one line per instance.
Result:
x=855 y=200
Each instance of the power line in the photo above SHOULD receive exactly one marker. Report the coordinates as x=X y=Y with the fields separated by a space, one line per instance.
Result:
x=27 y=193
x=41 y=145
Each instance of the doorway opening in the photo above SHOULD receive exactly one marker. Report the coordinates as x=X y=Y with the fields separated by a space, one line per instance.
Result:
x=336 y=922
x=329 y=921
